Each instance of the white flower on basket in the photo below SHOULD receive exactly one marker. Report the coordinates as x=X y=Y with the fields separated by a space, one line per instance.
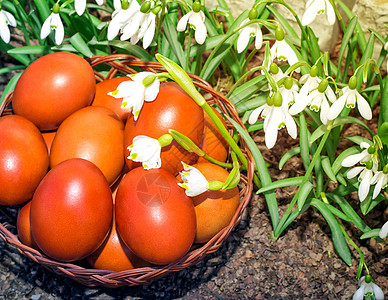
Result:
x=6 y=19
x=276 y=116
x=350 y=96
x=147 y=151
x=141 y=26
x=252 y=30
x=143 y=87
x=53 y=22
x=80 y=5
x=368 y=288
x=365 y=177
x=196 y=20
x=318 y=7
x=121 y=16
x=316 y=100
x=194 y=182
x=384 y=231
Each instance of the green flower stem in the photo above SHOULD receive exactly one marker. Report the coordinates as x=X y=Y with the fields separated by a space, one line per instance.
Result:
x=339 y=17
x=185 y=82
x=362 y=258
x=216 y=162
x=188 y=49
x=279 y=228
x=244 y=68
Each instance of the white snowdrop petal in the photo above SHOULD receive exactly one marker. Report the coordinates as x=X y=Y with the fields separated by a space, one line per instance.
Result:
x=59 y=32
x=152 y=91
x=46 y=27
x=384 y=231
x=351 y=160
x=359 y=294
x=363 y=107
x=4 y=31
x=10 y=18
x=243 y=40
x=80 y=6
x=377 y=189
x=336 y=108
x=255 y=114
x=354 y=172
x=364 y=186
x=330 y=13
x=183 y=22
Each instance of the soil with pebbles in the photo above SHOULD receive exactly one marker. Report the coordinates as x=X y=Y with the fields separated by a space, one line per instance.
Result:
x=301 y=264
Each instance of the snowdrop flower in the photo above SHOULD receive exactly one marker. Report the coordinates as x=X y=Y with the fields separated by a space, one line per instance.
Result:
x=380 y=179
x=276 y=116
x=252 y=30
x=282 y=51
x=196 y=20
x=141 y=26
x=194 y=182
x=369 y=153
x=349 y=98
x=147 y=151
x=316 y=100
x=365 y=176
x=53 y=22
x=121 y=16
x=143 y=87
x=384 y=231
x=367 y=287
x=318 y=7
x=80 y=5
x=289 y=91
x=6 y=19
x=309 y=82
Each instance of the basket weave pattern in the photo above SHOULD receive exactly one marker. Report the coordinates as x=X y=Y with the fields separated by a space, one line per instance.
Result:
x=127 y=64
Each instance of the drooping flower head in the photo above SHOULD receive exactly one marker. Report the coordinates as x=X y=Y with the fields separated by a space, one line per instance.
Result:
x=80 y=5
x=53 y=22
x=143 y=87
x=309 y=81
x=196 y=20
x=350 y=96
x=368 y=288
x=6 y=19
x=289 y=91
x=316 y=100
x=281 y=50
x=369 y=153
x=318 y=7
x=147 y=151
x=365 y=177
x=194 y=182
x=121 y=16
x=251 y=30
x=276 y=116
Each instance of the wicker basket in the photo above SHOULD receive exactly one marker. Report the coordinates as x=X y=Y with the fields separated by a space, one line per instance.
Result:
x=128 y=64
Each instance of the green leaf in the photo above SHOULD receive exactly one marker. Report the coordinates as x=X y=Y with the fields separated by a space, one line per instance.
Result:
x=303 y=141
x=337 y=122
x=338 y=213
x=349 y=211
x=384 y=103
x=368 y=204
x=338 y=237
x=383 y=133
x=31 y=50
x=262 y=169
x=373 y=233
x=280 y=184
x=209 y=44
x=135 y=50
x=12 y=68
x=338 y=161
x=80 y=45
x=10 y=86
x=357 y=139
x=346 y=38
x=251 y=104
x=248 y=89
x=288 y=155
x=303 y=193
x=171 y=33
x=328 y=169
x=43 y=9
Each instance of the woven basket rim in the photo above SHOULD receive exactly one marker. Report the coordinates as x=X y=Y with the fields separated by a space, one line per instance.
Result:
x=139 y=276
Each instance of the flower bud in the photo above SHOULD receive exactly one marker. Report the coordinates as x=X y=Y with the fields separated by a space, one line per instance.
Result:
x=165 y=140
x=288 y=83
x=253 y=14
x=56 y=8
x=277 y=99
x=314 y=71
x=323 y=85
x=353 y=82
x=124 y=4
x=279 y=33
x=145 y=7
x=196 y=6
x=274 y=69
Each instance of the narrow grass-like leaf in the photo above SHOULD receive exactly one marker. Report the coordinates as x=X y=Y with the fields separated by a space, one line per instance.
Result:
x=253 y=103
x=338 y=213
x=262 y=169
x=30 y=50
x=357 y=139
x=346 y=38
x=367 y=55
x=284 y=23
x=247 y=90
x=373 y=233
x=132 y=49
x=349 y=211
x=314 y=47
x=43 y=9
x=10 y=86
x=172 y=36
x=368 y=204
x=341 y=179
x=338 y=237
x=303 y=193
x=291 y=218
x=384 y=103
x=280 y=184
x=304 y=141
x=78 y=43
x=288 y=155
x=338 y=161
x=209 y=44
x=328 y=169
x=12 y=68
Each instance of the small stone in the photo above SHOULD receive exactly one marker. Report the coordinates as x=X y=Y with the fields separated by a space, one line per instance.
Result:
x=35 y=297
